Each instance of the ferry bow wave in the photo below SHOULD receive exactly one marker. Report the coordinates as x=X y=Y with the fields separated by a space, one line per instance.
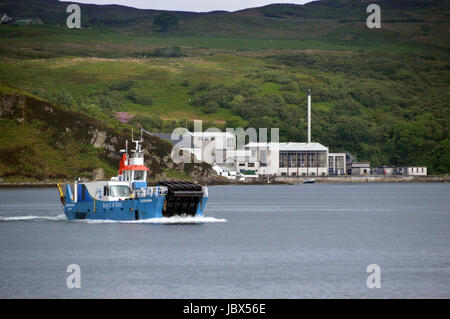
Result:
x=162 y=220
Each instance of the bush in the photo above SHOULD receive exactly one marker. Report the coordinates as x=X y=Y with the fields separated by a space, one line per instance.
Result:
x=123 y=85
x=140 y=98
x=107 y=103
x=64 y=98
x=168 y=52
x=89 y=108
x=202 y=86
x=149 y=123
x=211 y=107
x=292 y=98
x=289 y=87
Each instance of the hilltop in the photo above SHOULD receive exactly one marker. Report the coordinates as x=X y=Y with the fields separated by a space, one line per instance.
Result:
x=331 y=21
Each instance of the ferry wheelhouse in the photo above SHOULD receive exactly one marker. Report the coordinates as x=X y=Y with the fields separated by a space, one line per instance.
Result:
x=128 y=197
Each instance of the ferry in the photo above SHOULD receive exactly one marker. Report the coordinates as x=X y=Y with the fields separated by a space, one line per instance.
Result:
x=128 y=197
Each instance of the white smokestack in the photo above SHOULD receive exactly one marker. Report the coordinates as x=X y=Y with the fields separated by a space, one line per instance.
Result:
x=309 y=116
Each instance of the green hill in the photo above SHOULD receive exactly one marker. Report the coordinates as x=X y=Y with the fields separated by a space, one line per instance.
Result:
x=43 y=141
x=380 y=94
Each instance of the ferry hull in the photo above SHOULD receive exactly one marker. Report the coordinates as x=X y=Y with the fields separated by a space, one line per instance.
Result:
x=147 y=207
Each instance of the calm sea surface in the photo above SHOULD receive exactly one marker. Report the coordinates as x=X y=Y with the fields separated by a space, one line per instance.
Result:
x=300 y=241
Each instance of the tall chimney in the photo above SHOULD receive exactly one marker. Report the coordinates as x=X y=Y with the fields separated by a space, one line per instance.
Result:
x=309 y=116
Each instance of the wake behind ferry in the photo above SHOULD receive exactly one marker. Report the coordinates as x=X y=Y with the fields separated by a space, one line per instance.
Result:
x=127 y=196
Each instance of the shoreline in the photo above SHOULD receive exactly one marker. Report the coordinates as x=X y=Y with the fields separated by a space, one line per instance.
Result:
x=283 y=180
x=367 y=179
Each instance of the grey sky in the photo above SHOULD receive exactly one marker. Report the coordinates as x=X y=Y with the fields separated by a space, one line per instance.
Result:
x=193 y=5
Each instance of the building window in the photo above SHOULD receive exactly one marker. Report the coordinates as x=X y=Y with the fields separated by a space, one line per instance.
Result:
x=230 y=143
x=263 y=158
x=283 y=159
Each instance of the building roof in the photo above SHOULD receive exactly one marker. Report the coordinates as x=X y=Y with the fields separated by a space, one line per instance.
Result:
x=211 y=134
x=168 y=137
x=361 y=164
x=302 y=146
x=291 y=146
x=337 y=154
x=225 y=168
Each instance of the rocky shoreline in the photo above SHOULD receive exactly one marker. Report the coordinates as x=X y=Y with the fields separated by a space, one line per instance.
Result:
x=283 y=181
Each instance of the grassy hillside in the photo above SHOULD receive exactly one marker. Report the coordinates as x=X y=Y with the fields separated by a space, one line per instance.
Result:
x=381 y=95
x=44 y=141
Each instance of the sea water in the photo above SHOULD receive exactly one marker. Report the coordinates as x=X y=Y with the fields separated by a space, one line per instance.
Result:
x=268 y=241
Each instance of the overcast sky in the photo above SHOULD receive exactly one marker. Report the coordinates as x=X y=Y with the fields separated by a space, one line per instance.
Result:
x=192 y=5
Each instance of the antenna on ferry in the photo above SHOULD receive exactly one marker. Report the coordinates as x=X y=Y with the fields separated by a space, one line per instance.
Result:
x=138 y=148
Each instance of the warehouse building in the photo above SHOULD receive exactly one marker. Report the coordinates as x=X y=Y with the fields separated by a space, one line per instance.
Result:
x=337 y=163
x=285 y=159
x=359 y=168
x=412 y=171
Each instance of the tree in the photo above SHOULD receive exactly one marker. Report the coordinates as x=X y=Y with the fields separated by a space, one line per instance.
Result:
x=165 y=20
x=64 y=98
x=211 y=107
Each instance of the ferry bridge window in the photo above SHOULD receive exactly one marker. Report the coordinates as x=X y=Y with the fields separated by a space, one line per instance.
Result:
x=119 y=190
x=139 y=175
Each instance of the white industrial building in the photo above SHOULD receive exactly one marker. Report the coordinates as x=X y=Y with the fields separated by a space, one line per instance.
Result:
x=337 y=163
x=225 y=171
x=413 y=171
x=359 y=168
x=209 y=147
x=285 y=159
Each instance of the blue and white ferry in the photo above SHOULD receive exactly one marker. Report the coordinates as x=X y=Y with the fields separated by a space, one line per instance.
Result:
x=127 y=196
